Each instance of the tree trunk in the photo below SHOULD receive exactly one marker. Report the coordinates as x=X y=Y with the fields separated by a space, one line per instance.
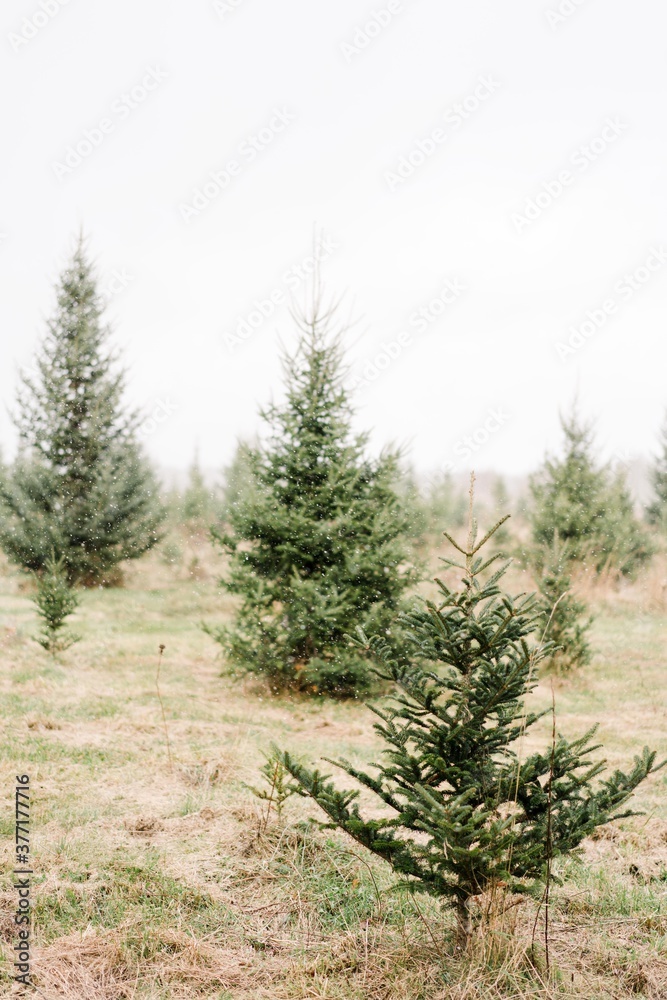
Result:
x=463 y=924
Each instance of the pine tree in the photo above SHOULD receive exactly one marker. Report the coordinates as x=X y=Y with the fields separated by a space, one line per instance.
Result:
x=4 y=475
x=563 y=615
x=629 y=544
x=656 y=512
x=198 y=503
x=412 y=501
x=80 y=487
x=464 y=813
x=55 y=601
x=589 y=506
x=316 y=541
x=238 y=480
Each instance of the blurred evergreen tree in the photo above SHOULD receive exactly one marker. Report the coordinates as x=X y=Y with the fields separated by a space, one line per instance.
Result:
x=587 y=505
x=198 y=503
x=238 y=479
x=316 y=532
x=563 y=614
x=656 y=511
x=80 y=488
x=408 y=489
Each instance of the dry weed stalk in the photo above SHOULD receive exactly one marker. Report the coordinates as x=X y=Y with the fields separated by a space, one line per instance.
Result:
x=161 y=649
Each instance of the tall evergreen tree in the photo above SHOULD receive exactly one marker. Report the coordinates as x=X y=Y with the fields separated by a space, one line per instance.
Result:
x=316 y=544
x=656 y=511
x=587 y=505
x=463 y=812
x=80 y=490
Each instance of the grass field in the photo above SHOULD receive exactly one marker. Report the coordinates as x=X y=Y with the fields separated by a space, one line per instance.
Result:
x=156 y=879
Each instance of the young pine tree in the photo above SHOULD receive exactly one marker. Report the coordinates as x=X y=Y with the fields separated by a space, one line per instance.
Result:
x=463 y=811
x=630 y=544
x=587 y=505
x=412 y=501
x=316 y=543
x=563 y=615
x=238 y=480
x=198 y=505
x=55 y=600
x=656 y=512
x=80 y=487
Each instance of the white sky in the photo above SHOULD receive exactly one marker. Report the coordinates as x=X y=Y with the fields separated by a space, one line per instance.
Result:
x=355 y=113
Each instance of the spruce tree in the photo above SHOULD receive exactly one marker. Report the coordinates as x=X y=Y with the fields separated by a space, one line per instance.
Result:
x=656 y=512
x=80 y=487
x=629 y=544
x=412 y=501
x=563 y=614
x=198 y=502
x=316 y=541
x=55 y=600
x=238 y=479
x=587 y=505
x=463 y=811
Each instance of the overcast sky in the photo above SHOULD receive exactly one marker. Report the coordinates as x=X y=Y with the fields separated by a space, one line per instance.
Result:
x=488 y=181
